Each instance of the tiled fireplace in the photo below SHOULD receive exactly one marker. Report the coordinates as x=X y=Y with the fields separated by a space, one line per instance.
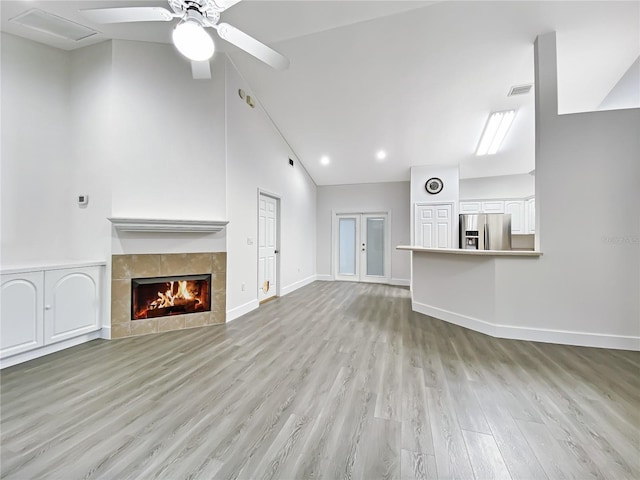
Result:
x=160 y=292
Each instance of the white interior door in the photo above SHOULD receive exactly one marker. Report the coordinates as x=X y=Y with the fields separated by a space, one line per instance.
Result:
x=433 y=226
x=362 y=248
x=267 y=247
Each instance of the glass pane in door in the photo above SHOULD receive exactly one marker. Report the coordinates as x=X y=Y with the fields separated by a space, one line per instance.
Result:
x=375 y=246
x=347 y=246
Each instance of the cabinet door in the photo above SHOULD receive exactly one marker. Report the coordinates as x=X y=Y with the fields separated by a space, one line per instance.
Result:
x=516 y=209
x=531 y=215
x=493 y=206
x=72 y=303
x=433 y=226
x=21 y=324
x=470 y=207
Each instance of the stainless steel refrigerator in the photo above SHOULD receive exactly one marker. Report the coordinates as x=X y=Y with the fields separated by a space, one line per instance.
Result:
x=485 y=231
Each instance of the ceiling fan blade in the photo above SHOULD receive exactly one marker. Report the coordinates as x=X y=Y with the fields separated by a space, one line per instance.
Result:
x=251 y=45
x=128 y=14
x=222 y=5
x=201 y=70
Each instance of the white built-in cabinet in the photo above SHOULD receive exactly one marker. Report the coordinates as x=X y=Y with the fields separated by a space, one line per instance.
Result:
x=493 y=206
x=523 y=218
x=470 y=207
x=530 y=215
x=44 y=307
x=433 y=225
x=517 y=210
x=21 y=319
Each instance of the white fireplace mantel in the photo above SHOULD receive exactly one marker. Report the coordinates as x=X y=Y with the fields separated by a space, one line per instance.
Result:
x=166 y=225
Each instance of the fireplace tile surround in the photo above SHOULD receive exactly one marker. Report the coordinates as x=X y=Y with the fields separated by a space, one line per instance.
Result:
x=126 y=267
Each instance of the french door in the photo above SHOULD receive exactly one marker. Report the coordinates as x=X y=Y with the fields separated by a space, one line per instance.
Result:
x=362 y=252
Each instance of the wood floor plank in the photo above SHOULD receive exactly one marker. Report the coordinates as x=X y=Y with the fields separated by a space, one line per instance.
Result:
x=552 y=454
x=389 y=394
x=468 y=412
x=417 y=466
x=516 y=452
x=334 y=380
x=486 y=459
x=452 y=458
x=381 y=458
x=416 y=425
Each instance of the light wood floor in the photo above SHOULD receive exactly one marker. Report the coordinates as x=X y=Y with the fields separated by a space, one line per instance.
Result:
x=335 y=380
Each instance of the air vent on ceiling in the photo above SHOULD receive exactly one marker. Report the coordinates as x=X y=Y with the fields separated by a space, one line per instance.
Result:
x=53 y=25
x=520 y=90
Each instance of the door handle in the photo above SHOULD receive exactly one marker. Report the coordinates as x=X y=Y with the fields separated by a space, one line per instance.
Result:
x=275 y=251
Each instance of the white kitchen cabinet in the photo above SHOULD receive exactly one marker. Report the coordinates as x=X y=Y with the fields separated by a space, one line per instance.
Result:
x=523 y=217
x=470 y=207
x=531 y=215
x=493 y=206
x=72 y=303
x=517 y=210
x=44 y=307
x=21 y=320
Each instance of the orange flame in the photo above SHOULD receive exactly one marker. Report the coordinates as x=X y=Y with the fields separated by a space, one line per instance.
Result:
x=169 y=299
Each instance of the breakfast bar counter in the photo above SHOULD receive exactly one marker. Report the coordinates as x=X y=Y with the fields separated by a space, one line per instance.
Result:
x=484 y=290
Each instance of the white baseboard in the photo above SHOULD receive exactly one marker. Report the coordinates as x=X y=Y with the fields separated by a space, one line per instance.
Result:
x=237 y=312
x=582 y=339
x=48 y=349
x=455 y=318
x=105 y=333
x=400 y=282
x=296 y=285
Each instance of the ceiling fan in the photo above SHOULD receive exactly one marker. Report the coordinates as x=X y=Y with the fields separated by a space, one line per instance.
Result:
x=189 y=35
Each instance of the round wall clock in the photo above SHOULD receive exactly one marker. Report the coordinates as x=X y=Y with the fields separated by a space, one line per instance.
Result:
x=434 y=185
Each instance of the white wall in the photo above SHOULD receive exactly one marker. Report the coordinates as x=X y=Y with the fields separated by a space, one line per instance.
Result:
x=587 y=198
x=504 y=186
x=258 y=158
x=585 y=288
x=37 y=171
x=168 y=134
x=625 y=93
x=450 y=192
x=91 y=144
x=392 y=197
x=168 y=146
x=448 y=175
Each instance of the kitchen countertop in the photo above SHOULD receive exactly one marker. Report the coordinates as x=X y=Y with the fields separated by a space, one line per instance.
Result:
x=486 y=253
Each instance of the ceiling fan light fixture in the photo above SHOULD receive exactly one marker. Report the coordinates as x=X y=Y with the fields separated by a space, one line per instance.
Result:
x=192 y=41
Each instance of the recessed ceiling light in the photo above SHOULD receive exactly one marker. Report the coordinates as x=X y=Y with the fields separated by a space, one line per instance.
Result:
x=381 y=154
x=325 y=160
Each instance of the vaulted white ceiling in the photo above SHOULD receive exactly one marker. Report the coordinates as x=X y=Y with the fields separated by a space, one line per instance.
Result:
x=416 y=79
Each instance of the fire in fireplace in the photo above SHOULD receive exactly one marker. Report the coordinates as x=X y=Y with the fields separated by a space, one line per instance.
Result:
x=164 y=296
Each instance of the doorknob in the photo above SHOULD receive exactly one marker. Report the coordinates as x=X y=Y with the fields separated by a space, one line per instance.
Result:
x=275 y=251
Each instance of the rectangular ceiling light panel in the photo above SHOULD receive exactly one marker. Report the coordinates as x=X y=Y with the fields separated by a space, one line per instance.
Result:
x=53 y=25
x=495 y=131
